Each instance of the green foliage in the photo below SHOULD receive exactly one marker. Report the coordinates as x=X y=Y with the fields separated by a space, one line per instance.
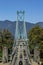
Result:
x=6 y=38
x=35 y=37
x=0 y=52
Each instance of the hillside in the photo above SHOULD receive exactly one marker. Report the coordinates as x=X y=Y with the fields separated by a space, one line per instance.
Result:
x=12 y=25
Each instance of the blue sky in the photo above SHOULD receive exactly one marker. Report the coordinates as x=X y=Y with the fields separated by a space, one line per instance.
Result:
x=33 y=10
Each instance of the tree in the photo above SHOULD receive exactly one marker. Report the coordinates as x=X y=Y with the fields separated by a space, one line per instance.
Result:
x=41 y=41
x=7 y=42
x=35 y=37
x=0 y=44
x=8 y=38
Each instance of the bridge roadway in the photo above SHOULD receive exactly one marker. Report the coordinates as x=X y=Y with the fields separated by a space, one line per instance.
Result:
x=20 y=56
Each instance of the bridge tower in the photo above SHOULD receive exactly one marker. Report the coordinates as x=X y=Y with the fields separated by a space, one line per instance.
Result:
x=20 y=54
x=20 y=26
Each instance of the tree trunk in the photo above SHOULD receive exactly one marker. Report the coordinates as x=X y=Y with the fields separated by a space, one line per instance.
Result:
x=5 y=55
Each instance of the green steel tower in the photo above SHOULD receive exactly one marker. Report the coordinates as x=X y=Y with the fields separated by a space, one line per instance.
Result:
x=20 y=54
